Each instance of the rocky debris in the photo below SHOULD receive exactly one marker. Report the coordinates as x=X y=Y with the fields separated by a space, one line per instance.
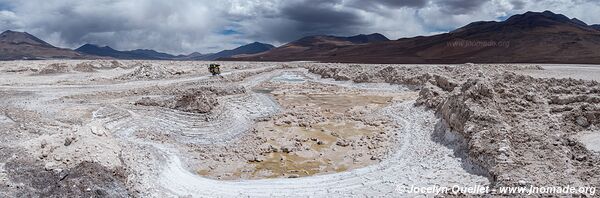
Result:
x=582 y=121
x=194 y=100
x=343 y=143
x=201 y=102
x=255 y=159
x=286 y=149
x=84 y=180
x=69 y=141
x=195 y=103
x=148 y=101
x=43 y=143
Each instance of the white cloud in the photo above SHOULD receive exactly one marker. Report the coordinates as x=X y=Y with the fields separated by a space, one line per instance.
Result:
x=9 y=20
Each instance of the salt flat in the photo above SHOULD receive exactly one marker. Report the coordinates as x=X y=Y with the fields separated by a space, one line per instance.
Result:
x=169 y=129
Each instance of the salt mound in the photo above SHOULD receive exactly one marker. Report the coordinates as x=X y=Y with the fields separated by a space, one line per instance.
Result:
x=201 y=103
x=148 y=71
x=54 y=68
x=85 y=67
x=103 y=64
x=109 y=64
x=191 y=102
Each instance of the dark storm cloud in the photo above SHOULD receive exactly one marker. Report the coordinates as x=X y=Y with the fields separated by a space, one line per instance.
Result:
x=460 y=6
x=77 y=27
x=518 y=4
x=312 y=18
x=322 y=12
x=402 y=3
x=331 y=17
x=183 y=26
x=379 y=4
x=173 y=26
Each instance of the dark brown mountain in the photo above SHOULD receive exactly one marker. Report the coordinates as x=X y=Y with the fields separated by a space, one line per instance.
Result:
x=252 y=48
x=192 y=56
x=22 y=45
x=312 y=47
x=532 y=37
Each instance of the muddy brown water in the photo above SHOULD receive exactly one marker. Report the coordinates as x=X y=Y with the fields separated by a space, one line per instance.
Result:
x=320 y=151
x=335 y=103
x=324 y=156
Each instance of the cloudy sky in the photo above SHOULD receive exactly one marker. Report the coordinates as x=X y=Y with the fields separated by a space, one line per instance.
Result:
x=184 y=26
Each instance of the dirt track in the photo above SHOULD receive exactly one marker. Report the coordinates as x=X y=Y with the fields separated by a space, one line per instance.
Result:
x=157 y=129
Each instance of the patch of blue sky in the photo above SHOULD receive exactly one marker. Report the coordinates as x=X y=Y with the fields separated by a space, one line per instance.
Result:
x=229 y=32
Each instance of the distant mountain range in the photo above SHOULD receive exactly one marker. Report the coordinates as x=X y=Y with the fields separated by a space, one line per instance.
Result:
x=106 y=51
x=147 y=54
x=22 y=45
x=532 y=37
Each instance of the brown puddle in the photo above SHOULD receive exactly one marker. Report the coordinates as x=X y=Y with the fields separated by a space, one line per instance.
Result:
x=335 y=143
x=320 y=154
x=334 y=102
